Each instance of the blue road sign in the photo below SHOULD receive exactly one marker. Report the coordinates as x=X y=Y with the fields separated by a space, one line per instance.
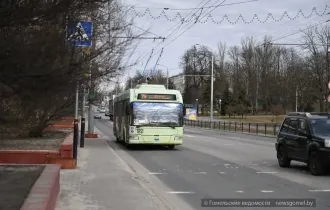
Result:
x=80 y=33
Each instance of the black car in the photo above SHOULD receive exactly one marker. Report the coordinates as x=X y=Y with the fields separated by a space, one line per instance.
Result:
x=305 y=137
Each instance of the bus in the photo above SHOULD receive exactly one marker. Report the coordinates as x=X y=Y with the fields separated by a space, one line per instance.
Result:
x=149 y=114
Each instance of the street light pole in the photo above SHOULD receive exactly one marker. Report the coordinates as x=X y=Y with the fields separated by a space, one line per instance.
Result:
x=166 y=74
x=211 y=109
x=212 y=69
x=220 y=108
x=197 y=106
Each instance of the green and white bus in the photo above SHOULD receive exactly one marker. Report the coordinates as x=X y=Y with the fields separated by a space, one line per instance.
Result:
x=149 y=114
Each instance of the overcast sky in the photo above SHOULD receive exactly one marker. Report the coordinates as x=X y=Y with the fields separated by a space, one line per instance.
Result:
x=211 y=34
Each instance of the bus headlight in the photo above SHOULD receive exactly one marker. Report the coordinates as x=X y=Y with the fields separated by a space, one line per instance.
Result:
x=134 y=137
x=178 y=138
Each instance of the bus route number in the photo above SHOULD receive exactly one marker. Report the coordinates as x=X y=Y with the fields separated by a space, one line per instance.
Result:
x=139 y=130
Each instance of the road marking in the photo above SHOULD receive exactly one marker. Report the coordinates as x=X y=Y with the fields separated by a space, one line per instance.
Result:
x=221 y=172
x=156 y=173
x=267 y=172
x=239 y=191
x=191 y=136
x=266 y=191
x=228 y=144
x=325 y=190
x=180 y=192
x=200 y=173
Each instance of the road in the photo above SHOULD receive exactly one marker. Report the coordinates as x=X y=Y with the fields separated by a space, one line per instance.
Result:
x=214 y=164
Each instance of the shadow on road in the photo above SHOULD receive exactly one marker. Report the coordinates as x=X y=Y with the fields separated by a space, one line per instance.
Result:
x=140 y=147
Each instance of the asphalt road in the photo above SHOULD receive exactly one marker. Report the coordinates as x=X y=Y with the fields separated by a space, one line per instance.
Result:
x=214 y=164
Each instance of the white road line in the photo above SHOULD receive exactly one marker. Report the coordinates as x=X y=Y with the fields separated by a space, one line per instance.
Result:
x=156 y=173
x=180 y=192
x=267 y=172
x=191 y=136
x=200 y=173
x=325 y=190
x=266 y=191
x=239 y=191
x=221 y=172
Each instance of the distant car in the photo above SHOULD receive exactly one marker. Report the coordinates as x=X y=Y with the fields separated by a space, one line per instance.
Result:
x=97 y=116
x=102 y=110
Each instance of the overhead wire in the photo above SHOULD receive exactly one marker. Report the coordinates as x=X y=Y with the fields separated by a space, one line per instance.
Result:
x=309 y=27
x=145 y=30
x=190 y=26
x=178 y=27
x=288 y=25
x=240 y=18
x=192 y=8
x=144 y=54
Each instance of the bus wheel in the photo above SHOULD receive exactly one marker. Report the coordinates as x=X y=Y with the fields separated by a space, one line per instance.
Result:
x=171 y=146
x=128 y=146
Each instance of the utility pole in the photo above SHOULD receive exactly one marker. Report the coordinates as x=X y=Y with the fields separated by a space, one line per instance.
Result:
x=212 y=80
x=166 y=74
x=328 y=73
x=296 y=98
x=211 y=108
x=76 y=128
x=82 y=129
x=167 y=80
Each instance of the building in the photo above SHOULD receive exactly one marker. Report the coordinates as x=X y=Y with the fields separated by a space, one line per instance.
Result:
x=178 y=82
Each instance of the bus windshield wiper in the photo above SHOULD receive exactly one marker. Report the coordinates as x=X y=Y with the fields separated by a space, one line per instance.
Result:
x=169 y=124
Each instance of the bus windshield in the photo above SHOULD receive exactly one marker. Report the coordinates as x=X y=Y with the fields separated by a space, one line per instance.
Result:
x=157 y=114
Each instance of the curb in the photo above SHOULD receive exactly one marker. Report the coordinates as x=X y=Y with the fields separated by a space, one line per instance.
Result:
x=45 y=190
x=91 y=135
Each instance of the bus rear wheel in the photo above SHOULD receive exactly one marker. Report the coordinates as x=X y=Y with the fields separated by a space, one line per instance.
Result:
x=171 y=146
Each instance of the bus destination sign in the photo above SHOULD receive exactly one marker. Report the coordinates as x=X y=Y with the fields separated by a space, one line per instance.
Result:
x=157 y=97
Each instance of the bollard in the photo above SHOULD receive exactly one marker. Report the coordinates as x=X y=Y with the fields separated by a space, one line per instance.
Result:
x=82 y=133
x=75 y=139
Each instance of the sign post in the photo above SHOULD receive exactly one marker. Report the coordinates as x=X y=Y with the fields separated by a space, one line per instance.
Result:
x=79 y=35
x=328 y=97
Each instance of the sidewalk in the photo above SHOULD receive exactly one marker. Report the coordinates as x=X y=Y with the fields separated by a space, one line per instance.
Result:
x=102 y=181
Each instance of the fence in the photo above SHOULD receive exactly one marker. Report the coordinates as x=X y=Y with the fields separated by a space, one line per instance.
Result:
x=253 y=128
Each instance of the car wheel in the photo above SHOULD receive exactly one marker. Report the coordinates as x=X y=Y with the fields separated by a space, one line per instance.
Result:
x=282 y=158
x=315 y=165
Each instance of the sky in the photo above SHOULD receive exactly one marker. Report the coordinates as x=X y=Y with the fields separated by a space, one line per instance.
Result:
x=209 y=34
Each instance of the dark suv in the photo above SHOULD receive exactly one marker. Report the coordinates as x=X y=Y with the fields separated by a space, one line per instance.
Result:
x=305 y=137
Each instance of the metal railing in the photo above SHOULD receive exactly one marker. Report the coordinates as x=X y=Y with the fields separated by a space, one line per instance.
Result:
x=267 y=129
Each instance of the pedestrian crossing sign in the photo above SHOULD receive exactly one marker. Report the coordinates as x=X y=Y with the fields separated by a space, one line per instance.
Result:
x=80 y=33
